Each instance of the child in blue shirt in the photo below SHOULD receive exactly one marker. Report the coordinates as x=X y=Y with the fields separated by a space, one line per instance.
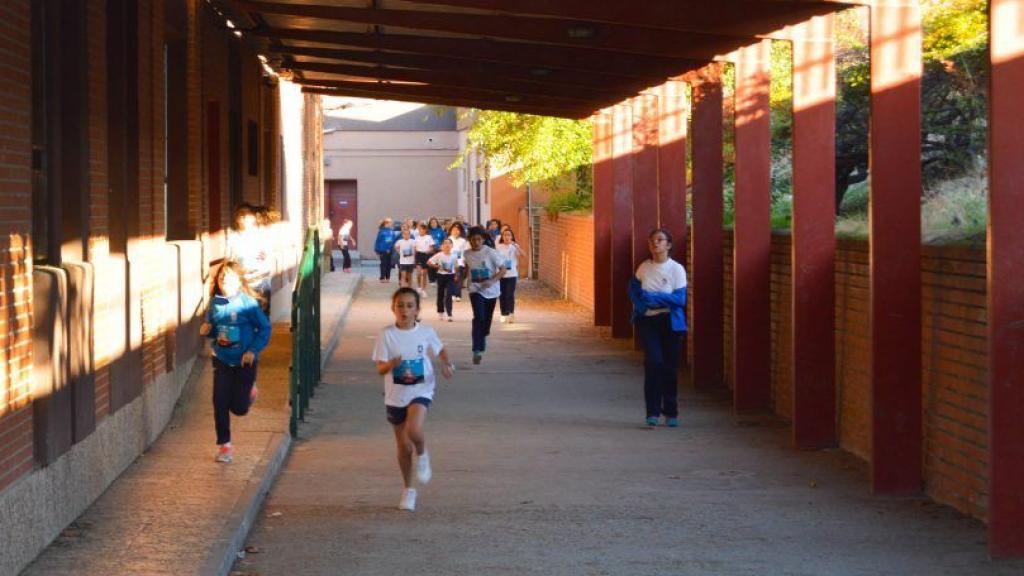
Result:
x=240 y=331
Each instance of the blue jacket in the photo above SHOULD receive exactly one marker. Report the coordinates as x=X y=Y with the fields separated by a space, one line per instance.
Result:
x=240 y=321
x=385 y=240
x=438 y=235
x=643 y=300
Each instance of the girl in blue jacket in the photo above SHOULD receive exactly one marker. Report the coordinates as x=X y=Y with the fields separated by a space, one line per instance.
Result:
x=658 y=292
x=384 y=247
x=240 y=331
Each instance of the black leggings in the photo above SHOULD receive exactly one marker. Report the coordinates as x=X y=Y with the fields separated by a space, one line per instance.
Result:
x=346 y=261
x=508 y=296
x=231 y=388
x=445 y=285
x=385 y=265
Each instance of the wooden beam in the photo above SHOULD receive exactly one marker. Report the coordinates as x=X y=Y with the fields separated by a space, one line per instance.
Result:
x=445 y=101
x=590 y=35
x=462 y=80
x=728 y=17
x=453 y=64
x=448 y=92
x=484 y=50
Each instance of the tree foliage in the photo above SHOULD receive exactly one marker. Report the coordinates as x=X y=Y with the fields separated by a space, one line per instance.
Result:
x=532 y=148
x=953 y=98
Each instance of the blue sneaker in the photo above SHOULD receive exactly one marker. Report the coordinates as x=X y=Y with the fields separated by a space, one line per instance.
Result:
x=652 y=421
x=672 y=422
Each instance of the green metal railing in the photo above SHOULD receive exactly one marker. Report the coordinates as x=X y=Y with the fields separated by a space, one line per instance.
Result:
x=305 y=368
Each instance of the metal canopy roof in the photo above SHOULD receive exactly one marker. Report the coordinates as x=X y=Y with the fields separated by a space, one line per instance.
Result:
x=552 y=57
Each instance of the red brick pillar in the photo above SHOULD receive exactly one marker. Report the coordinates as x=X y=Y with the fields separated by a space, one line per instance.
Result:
x=814 y=243
x=672 y=128
x=622 y=219
x=707 y=268
x=895 y=246
x=1005 y=270
x=752 y=236
x=603 y=185
x=645 y=173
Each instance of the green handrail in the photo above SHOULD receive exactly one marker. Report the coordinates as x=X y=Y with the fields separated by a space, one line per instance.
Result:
x=305 y=367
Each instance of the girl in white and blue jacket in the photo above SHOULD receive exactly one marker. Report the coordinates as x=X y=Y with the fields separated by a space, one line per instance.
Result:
x=658 y=292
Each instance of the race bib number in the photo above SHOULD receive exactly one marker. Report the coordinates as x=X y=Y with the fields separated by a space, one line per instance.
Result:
x=508 y=264
x=479 y=274
x=406 y=251
x=408 y=373
x=228 y=336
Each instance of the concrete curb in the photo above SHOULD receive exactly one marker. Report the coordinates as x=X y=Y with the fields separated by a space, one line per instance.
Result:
x=332 y=342
x=239 y=522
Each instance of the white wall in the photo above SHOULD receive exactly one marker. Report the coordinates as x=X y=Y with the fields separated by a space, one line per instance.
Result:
x=398 y=174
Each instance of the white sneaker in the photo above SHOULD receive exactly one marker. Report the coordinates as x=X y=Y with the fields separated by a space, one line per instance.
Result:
x=423 y=472
x=511 y=318
x=408 y=501
x=457 y=298
x=450 y=319
x=502 y=319
x=440 y=317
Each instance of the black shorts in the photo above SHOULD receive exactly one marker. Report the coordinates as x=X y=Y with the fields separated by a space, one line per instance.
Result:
x=406 y=267
x=421 y=259
x=398 y=415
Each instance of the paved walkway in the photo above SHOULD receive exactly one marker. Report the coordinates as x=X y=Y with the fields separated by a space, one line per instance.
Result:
x=176 y=511
x=541 y=467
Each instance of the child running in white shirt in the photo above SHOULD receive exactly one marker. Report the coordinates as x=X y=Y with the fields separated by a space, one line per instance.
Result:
x=445 y=263
x=510 y=254
x=402 y=353
x=406 y=249
x=486 y=268
x=424 y=249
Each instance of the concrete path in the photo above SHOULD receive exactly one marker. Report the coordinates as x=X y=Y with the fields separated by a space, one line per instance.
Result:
x=541 y=467
x=176 y=511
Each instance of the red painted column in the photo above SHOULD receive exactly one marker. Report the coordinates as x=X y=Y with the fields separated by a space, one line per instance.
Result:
x=645 y=173
x=813 y=241
x=895 y=246
x=752 y=236
x=1005 y=271
x=603 y=184
x=622 y=220
x=672 y=126
x=707 y=275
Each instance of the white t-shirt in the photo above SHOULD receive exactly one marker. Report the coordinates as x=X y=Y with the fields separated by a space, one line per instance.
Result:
x=484 y=264
x=510 y=254
x=445 y=263
x=667 y=277
x=425 y=243
x=414 y=377
x=406 y=251
x=459 y=247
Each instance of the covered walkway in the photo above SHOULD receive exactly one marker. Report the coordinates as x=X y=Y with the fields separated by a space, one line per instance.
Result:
x=541 y=466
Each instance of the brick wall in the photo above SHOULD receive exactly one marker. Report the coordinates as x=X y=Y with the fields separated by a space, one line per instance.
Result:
x=954 y=347
x=954 y=361
x=567 y=256
x=15 y=251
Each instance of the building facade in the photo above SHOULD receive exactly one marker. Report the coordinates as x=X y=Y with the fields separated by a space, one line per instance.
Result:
x=131 y=129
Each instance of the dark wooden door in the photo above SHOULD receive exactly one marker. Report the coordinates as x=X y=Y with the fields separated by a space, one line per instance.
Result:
x=342 y=204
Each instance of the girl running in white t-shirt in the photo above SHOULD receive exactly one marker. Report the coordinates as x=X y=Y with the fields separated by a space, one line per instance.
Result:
x=403 y=355
x=459 y=247
x=445 y=264
x=510 y=253
x=424 y=249
x=406 y=249
x=485 y=268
